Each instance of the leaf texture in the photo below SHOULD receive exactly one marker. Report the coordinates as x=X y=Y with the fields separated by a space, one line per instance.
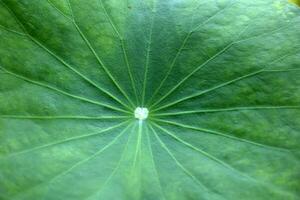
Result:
x=220 y=78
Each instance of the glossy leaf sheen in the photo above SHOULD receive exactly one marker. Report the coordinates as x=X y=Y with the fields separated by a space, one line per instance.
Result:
x=220 y=78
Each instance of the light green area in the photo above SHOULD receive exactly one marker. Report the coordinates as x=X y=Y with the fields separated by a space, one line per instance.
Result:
x=220 y=78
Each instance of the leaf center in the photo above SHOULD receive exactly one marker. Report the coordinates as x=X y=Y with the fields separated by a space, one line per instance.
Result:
x=141 y=113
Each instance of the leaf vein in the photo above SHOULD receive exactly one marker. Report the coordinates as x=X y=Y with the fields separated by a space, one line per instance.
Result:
x=61 y=91
x=205 y=130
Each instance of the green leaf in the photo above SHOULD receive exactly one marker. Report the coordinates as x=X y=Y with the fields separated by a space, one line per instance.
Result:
x=220 y=79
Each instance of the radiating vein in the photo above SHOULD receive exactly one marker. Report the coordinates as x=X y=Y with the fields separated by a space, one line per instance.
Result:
x=281 y=70
x=186 y=171
x=267 y=33
x=13 y=31
x=64 y=141
x=154 y=164
x=58 y=10
x=122 y=46
x=39 y=117
x=101 y=63
x=61 y=60
x=115 y=168
x=90 y=157
x=190 y=74
x=81 y=162
x=251 y=74
x=138 y=143
x=205 y=130
x=227 y=110
x=105 y=69
x=94 y=52
x=219 y=53
x=206 y=154
x=182 y=47
x=61 y=91
x=148 y=56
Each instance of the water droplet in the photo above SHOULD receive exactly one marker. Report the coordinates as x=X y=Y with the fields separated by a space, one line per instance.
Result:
x=141 y=113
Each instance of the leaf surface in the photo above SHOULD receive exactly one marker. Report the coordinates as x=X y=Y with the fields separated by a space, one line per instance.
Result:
x=221 y=81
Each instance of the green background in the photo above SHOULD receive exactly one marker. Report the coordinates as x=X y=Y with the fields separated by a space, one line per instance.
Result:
x=221 y=79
